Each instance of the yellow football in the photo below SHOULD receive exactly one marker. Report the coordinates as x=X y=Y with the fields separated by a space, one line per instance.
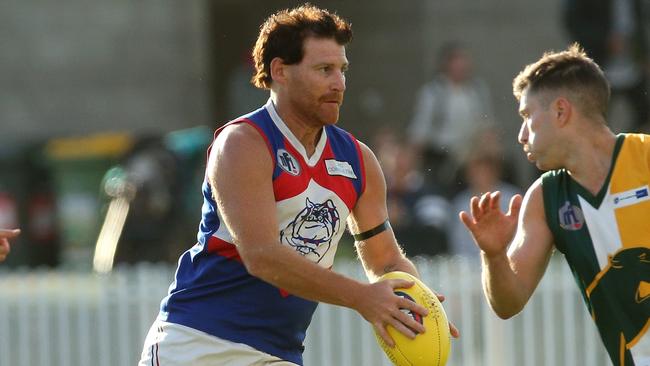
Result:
x=430 y=348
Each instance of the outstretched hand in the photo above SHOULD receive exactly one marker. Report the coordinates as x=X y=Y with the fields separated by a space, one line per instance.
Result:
x=492 y=229
x=5 y=235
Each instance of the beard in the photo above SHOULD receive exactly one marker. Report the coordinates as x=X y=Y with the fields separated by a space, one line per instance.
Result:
x=320 y=111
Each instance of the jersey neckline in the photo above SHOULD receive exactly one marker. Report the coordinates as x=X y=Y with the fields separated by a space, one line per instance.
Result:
x=293 y=140
x=596 y=200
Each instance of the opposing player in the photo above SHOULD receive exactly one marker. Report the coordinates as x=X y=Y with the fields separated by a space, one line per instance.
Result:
x=5 y=235
x=593 y=205
x=280 y=185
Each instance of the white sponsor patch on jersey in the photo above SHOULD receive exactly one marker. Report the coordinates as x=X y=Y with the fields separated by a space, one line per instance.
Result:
x=343 y=168
x=631 y=197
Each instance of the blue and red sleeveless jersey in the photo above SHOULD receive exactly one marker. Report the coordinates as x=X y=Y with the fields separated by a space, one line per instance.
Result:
x=212 y=291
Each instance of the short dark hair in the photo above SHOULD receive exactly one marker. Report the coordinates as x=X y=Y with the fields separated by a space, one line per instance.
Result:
x=571 y=70
x=283 y=34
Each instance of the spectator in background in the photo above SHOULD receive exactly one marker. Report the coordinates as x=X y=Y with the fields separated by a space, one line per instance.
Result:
x=482 y=171
x=416 y=208
x=613 y=34
x=5 y=235
x=446 y=108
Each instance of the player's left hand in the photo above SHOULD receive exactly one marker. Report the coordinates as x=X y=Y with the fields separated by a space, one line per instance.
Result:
x=492 y=229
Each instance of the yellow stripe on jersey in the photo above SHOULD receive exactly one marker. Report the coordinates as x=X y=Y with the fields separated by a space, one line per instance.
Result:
x=632 y=174
x=636 y=340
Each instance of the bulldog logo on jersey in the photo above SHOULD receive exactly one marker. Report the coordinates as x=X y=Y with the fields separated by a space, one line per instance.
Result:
x=312 y=230
x=287 y=162
x=571 y=217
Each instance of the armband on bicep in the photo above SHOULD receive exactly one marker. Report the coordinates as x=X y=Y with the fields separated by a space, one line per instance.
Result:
x=372 y=232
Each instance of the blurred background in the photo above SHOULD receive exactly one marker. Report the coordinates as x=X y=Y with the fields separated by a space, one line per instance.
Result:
x=107 y=108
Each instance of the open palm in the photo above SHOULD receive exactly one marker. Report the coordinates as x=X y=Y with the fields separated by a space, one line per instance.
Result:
x=492 y=229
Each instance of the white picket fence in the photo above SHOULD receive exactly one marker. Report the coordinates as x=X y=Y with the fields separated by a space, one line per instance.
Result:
x=63 y=318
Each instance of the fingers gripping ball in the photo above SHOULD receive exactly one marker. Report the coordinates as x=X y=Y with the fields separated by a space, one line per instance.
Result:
x=430 y=348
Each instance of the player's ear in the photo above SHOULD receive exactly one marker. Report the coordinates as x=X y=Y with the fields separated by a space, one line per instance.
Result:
x=563 y=109
x=278 y=70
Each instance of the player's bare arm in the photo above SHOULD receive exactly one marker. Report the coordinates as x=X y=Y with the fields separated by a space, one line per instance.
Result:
x=5 y=235
x=510 y=275
x=381 y=254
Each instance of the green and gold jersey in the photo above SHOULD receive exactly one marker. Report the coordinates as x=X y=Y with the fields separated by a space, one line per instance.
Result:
x=606 y=241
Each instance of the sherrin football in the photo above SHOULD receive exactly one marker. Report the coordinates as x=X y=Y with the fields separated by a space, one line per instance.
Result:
x=430 y=348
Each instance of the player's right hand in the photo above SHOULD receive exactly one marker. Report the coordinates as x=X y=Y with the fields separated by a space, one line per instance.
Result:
x=492 y=229
x=379 y=305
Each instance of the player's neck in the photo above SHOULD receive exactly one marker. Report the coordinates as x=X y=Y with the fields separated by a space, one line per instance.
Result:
x=590 y=158
x=307 y=134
